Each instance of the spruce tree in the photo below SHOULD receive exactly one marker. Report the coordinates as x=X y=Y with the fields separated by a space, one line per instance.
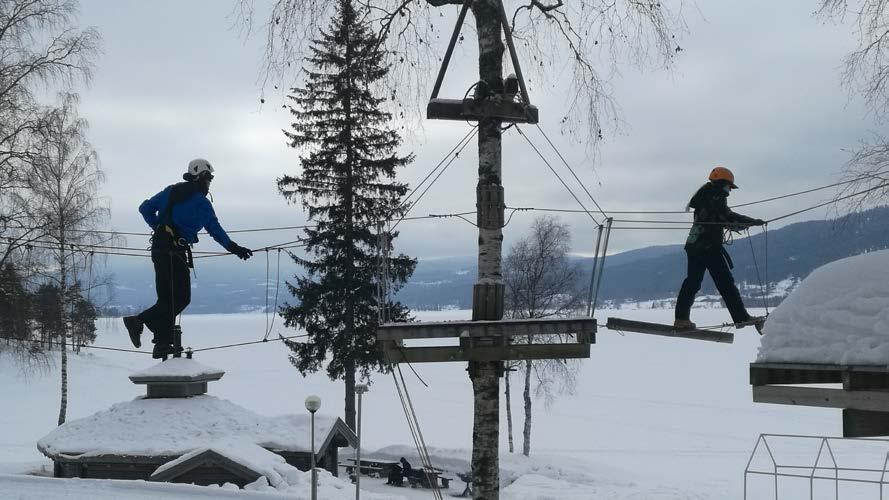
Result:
x=347 y=185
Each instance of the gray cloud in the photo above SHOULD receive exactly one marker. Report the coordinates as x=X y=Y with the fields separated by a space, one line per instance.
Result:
x=756 y=88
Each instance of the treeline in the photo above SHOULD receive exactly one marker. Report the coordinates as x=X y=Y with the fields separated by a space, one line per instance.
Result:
x=32 y=321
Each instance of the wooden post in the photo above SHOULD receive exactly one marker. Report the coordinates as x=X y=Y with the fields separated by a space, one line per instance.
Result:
x=487 y=296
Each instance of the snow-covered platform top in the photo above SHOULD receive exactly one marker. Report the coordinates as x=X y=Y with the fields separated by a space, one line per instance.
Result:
x=173 y=427
x=838 y=315
x=177 y=370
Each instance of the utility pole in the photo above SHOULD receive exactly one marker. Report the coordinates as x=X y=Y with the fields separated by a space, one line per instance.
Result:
x=487 y=293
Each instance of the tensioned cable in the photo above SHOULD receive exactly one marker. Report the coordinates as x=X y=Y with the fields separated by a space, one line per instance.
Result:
x=468 y=135
x=82 y=345
x=240 y=344
x=559 y=153
x=880 y=186
x=453 y=157
x=270 y=327
x=553 y=170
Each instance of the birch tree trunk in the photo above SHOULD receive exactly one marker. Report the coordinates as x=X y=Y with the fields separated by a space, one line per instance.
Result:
x=526 y=394
x=488 y=294
x=508 y=411
x=63 y=287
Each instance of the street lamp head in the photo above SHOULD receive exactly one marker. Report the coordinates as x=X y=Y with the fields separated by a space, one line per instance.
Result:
x=313 y=403
x=360 y=388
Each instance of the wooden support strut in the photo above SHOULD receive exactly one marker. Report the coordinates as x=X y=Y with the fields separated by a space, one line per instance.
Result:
x=864 y=396
x=475 y=109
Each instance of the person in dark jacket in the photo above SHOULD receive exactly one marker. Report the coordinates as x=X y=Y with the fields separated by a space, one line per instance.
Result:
x=705 y=250
x=176 y=214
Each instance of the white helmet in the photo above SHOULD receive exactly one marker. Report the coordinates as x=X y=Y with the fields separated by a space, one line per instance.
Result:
x=198 y=166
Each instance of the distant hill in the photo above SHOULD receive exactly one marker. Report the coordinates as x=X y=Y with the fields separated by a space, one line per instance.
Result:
x=645 y=274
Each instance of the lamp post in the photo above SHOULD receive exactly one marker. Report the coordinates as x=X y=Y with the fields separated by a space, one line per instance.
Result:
x=313 y=403
x=359 y=389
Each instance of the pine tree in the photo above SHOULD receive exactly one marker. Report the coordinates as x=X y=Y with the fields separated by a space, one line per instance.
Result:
x=349 y=161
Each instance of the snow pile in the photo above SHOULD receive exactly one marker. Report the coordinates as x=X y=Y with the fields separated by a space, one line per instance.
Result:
x=838 y=315
x=22 y=487
x=177 y=426
x=177 y=368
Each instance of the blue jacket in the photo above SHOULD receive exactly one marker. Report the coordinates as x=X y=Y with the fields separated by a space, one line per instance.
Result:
x=189 y=216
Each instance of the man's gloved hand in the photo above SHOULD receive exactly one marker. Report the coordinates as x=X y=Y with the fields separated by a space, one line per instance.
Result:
x=241 y=252
x=759 y=222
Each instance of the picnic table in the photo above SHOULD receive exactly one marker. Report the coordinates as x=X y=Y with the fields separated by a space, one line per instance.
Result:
x=423 y=478
x=371 y=466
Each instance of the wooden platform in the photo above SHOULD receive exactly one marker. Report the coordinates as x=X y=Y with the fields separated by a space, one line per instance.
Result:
x=488 y=340
x=626 y=325
x=863 y=395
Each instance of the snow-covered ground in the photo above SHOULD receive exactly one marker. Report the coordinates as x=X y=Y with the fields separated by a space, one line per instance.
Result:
x=653 y=418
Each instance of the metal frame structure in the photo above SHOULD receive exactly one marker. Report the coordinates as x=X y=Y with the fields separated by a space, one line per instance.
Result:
x=813 y=472
x=471 y=108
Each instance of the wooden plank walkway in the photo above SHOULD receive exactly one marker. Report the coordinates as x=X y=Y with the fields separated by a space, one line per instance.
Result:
x=626 y=325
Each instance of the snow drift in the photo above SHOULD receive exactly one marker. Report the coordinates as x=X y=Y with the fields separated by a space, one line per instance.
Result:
x=838 y=315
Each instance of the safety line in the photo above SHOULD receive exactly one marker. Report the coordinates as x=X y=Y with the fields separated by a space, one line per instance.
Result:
x=226 y=346
x=533 y=146
x=559 y=153
x=453 y=157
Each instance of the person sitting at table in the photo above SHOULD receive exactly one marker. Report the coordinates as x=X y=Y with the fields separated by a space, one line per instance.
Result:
x=396 y=477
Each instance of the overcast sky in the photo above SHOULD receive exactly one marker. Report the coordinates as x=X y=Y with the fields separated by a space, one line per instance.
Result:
x=756 y=88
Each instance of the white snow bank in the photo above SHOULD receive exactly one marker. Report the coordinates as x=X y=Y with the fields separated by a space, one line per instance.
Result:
x=178 y=426
x=838 y=315
x=177 y=368
x=41 y=488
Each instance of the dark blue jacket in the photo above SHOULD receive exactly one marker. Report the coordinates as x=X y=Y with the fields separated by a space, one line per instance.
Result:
x=193 y=213
x=712 y=217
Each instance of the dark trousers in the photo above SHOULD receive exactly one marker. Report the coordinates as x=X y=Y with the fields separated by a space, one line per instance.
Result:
x=172 y=281
x=714 y=261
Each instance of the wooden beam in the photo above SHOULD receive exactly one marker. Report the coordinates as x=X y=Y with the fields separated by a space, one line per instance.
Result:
x=861 y=423
x=851 y=376
x=474 y=110
x=821 y=397
x=620 y=324
x=395 y=354
x=585 y=328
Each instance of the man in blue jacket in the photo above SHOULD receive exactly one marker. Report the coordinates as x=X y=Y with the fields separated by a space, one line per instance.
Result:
x=176 y=214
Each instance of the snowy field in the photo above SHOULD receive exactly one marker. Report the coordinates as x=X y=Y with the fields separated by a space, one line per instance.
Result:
x=653 y=418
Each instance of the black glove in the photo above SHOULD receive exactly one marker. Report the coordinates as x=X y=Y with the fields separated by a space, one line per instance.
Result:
x=759 y=222
x=241 y=252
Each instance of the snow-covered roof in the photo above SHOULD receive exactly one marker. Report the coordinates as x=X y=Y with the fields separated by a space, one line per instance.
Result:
x=276 y=470
x=837 y=315
x=177 y=369
x=172 y=427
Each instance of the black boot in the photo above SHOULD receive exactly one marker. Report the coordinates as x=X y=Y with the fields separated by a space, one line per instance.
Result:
x=161 y=350
x=134 y=326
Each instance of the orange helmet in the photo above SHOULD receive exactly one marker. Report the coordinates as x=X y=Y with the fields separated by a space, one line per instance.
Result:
x=723 y=174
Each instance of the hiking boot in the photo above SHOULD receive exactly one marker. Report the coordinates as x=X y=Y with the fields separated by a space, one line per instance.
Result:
x=684 y=324
x=134 y=326
x=161 y=351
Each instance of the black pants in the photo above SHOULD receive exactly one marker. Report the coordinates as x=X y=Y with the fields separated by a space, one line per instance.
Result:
x=714 y=261
x=172 y=281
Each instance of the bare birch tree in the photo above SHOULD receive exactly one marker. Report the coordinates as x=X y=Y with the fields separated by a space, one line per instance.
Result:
x=40 y=49
x=64 y=179
x=541 y=282
x=865 y=72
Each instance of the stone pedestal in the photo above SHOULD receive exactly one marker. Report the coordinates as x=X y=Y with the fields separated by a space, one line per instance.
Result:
x=176 y=378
